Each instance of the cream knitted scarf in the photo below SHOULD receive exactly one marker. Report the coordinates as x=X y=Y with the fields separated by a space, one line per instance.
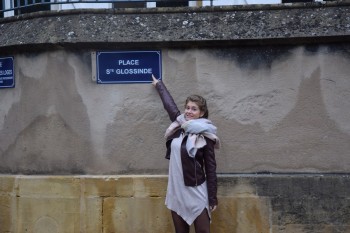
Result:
x=196 y=130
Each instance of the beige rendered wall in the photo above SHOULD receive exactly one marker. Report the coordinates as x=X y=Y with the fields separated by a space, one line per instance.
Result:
x=278 y=109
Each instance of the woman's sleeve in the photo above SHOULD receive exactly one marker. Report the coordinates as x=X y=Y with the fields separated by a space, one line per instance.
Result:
x=168 y=101
x=210 y=170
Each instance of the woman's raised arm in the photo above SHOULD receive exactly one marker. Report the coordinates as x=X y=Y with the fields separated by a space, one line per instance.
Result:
x=168 y=101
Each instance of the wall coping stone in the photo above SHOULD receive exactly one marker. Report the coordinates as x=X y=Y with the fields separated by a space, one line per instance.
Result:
x=178 y=27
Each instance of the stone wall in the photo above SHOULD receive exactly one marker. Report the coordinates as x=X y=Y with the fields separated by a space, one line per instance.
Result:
x=276 y=81
x=101 y=204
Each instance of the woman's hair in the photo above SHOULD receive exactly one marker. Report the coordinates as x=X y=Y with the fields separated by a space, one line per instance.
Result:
x=201 y=102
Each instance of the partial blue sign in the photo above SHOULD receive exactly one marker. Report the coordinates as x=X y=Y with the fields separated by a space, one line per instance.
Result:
x=7 y=74
x=128 y=66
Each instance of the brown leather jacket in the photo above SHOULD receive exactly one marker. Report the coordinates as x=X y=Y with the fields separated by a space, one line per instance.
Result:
x=203 y=166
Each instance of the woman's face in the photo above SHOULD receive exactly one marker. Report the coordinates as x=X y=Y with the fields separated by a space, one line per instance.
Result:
x=192 y=111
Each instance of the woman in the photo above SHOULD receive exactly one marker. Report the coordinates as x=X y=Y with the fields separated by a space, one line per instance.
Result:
x=190 y=142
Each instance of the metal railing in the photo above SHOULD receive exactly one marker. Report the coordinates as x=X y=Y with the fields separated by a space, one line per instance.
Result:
x=17 y=7
x=11 y=5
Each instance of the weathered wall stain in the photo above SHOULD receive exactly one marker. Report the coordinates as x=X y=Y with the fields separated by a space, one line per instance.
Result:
x=253 y=57
x=38 y=149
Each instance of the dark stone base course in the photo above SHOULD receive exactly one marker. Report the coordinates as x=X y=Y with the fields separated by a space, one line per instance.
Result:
x=320 y=211
x=312 y=228
x=313 y=202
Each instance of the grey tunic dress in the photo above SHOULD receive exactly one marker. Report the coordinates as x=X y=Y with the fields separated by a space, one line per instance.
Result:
x=188 y=202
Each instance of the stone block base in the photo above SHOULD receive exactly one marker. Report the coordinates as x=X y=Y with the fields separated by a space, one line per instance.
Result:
x=135 y=204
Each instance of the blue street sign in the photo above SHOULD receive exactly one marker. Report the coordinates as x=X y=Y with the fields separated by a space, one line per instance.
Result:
x=128 y=66
x=7 y=74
